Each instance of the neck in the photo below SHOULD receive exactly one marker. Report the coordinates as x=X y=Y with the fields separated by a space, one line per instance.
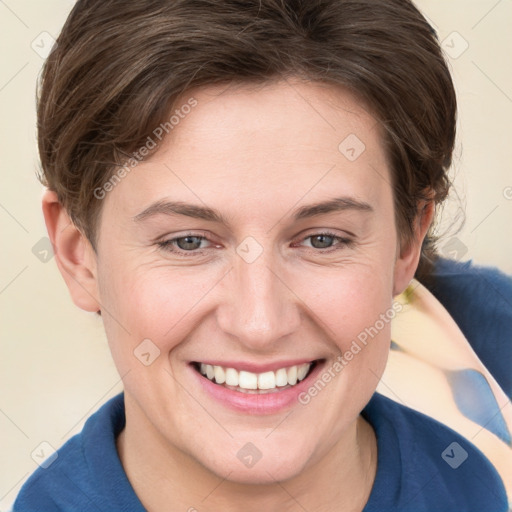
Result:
x=166 y=478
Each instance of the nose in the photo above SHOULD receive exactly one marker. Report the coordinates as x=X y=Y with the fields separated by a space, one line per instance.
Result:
x=260 y=307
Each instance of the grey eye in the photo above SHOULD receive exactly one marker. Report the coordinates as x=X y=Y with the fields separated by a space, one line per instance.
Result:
x=189 y=242
x=324 y=241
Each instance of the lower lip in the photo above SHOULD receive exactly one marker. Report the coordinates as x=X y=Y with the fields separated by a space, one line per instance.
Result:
x=257 y=403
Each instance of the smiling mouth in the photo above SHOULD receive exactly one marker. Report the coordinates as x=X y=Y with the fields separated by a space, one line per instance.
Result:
x=255 y=383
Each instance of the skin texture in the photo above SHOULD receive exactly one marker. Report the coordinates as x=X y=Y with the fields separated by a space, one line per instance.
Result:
x=255 y=154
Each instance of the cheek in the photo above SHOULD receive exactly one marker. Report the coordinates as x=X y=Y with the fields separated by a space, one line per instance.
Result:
x=151 y=302
x=353 y=306
x=350 y=299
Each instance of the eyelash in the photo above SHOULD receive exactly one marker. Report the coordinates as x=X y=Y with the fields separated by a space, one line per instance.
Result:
x=170 y=245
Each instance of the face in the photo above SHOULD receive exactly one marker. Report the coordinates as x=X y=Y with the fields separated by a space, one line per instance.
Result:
x=258 y=242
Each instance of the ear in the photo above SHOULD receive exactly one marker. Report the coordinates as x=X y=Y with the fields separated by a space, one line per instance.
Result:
x=74 y=254
x=409 y=256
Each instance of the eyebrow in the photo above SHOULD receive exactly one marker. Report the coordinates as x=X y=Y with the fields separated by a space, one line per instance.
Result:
x=336 y=204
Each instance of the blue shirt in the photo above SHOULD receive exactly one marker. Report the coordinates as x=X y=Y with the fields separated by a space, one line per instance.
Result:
x=479 y=299
x=422 y=466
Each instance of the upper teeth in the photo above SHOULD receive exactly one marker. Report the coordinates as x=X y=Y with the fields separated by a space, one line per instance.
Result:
x=249 y=380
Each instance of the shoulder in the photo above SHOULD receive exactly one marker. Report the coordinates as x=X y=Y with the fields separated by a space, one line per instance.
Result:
x=479 y=299
x=479 y=288
x=470 y=275
x=424 y=465
x=49 y=488
x=86 y=474
x=477 y=283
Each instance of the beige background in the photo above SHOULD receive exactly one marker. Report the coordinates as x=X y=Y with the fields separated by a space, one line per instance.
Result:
x=54 y=363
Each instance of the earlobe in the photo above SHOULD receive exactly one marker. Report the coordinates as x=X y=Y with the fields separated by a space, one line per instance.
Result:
x=74 y=254
x=409 y=256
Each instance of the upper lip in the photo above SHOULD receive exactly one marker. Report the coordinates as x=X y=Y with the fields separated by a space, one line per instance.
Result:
x=256 y=367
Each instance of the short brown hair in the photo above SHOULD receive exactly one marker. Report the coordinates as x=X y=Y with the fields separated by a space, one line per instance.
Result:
x=120 y=65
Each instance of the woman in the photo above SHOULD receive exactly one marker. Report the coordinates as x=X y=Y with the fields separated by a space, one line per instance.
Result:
x=240 y=189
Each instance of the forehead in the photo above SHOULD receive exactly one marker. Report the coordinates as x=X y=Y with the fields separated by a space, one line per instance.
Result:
x=240 y=143
x=290 y=110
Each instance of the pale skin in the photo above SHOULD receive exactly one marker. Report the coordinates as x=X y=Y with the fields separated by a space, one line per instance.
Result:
x=255 y=155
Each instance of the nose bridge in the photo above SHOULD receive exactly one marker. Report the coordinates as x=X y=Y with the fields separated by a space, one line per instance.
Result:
x=260 y=308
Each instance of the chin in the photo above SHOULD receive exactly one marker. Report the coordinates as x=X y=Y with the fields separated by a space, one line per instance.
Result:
x=249 y=465
x=263 y=473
